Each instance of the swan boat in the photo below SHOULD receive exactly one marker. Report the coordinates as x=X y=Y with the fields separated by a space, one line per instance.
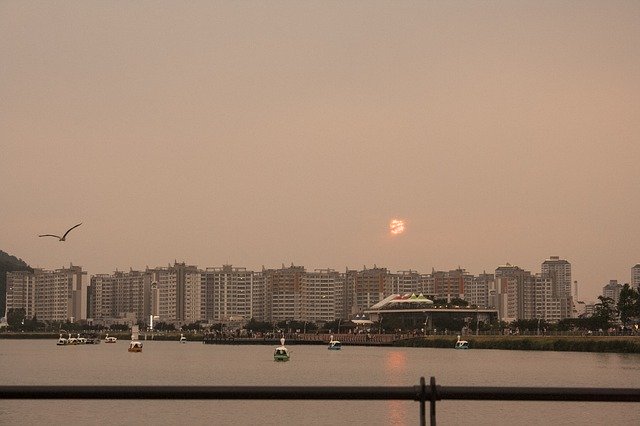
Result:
x=135 y=345
x=461 y=344
x=62 y=341
x=334 y=344
x=281 y=353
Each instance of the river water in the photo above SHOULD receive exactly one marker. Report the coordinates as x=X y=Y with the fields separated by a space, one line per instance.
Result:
x=41 y=362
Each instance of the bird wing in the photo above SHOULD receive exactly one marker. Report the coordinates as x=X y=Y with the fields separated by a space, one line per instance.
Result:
x=48 y=235
x=69 y=230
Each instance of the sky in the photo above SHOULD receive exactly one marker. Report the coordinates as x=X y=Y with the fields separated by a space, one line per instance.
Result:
x=266 y=133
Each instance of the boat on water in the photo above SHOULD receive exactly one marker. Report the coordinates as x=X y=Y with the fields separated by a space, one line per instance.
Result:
x=182 y=338
x=461 y=344
x=110 y=339
x=334 y=345
x=62 y=341
x=281 y=353
x=135 y=345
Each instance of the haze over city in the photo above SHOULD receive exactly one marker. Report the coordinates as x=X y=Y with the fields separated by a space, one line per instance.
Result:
x=253 y=134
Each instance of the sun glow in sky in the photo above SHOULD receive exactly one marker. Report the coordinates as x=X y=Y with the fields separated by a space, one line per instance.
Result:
x=397 y=226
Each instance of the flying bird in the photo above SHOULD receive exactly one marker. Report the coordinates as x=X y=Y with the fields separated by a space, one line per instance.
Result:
x=64 y=237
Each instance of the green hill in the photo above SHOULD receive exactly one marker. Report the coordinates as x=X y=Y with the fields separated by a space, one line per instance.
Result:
x=8 y=263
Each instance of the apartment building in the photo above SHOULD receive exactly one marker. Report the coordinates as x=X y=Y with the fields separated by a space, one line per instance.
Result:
x=366 y=287
x=635 y=277
x=559 y=270
x=21 y=287
x=282 y=293
x=448 y=284
x=58 y=295
x=403 y=282
x=322 y=292
x=121 y=296
x=612 y=290
x=476 y=291
x=229 y=293
x=509 y=295
x=178 y=293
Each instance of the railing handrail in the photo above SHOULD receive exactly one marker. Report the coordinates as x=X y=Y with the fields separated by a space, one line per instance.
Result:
x=420 y=393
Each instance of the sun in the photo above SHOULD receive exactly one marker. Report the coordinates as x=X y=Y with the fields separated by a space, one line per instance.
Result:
x=396 y=226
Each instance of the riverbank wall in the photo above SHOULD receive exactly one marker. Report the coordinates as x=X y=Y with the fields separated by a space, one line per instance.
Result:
x=612 y=344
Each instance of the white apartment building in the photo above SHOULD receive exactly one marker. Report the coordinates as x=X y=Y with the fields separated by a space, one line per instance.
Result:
x=121 y=296
x=229 y=293
x=403 y=282
x=321 y=294
x=21 y=286
x=194 y=297
x=177 y=289
x=545 y=305
x=476 y=291
x=58 y=295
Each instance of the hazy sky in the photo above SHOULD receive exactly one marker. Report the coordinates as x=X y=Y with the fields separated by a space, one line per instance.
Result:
x=260 y=133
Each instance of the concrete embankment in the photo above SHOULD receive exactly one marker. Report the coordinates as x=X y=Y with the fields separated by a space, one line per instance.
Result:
x=614 y=344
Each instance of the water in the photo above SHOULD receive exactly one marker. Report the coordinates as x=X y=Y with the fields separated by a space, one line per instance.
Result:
x=31 y=362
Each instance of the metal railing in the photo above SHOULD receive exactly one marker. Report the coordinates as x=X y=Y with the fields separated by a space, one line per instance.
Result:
x=420 y=393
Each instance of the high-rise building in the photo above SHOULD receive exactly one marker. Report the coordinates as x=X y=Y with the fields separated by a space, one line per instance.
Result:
x=545 y=305
x=283 y=293
x=449 y=284
x=509 y=296
x=635 y=277
x=404 y=282
x=121 y=296
x=321 y=295
x=367 y=287
x=476 y=291
x=229 y=293
x=58 y=295
x=178 y=293
x=559 y=270
x=21 y=286
x=612 y=290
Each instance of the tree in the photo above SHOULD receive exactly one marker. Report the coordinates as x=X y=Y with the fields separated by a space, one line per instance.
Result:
x=15 y=317
x=163 y=326
x=605 y=312
x=259 y=326
x=628 y=304
x=193 y=326
x=119 y=327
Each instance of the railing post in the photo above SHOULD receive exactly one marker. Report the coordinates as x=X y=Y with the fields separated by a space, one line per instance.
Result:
x=433 y=397
x=422 y=398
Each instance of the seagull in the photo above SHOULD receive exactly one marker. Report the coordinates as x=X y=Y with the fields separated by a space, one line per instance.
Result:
x=63 y=238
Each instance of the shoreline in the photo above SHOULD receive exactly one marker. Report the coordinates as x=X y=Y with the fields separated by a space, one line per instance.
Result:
x=596 y=344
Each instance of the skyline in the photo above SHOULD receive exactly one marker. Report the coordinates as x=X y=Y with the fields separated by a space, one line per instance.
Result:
x=347 y=267
x=266 y=134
